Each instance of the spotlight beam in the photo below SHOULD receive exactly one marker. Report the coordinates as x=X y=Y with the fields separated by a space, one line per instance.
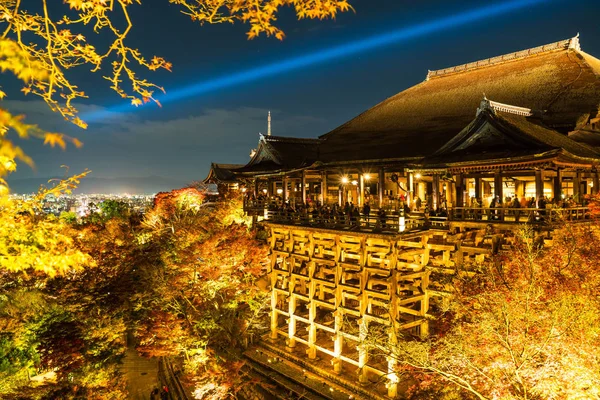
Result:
x=321 y=56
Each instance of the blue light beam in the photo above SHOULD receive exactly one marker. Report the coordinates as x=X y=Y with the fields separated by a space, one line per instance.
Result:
x=321 y=56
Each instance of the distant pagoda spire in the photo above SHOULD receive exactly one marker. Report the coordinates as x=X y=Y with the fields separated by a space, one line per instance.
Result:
x=269 y=124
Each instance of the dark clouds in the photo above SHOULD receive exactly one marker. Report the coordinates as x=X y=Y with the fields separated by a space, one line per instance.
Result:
x=126 y=145
x=181 y=139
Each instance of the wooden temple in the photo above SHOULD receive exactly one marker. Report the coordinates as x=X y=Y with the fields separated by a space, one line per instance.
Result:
x=364 y=220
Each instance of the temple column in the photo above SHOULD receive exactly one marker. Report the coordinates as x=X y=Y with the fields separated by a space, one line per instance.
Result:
x=436 y=191
x=539 y=184
x=498 y=186
x=291 y=344
x=284 y=193
x=595 y=182
x=255 y=188
x=459 y=190
x=411 y=188
x=323 y=187
x=304 y=186
x=341 y=196
x=338 y=342
x=380 y=186
x=361 y=190
x=478 y=188
x=577 y=195
x=363 y=353
x=558 y=185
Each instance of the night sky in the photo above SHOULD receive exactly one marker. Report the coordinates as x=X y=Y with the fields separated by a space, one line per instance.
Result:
x=182 y=138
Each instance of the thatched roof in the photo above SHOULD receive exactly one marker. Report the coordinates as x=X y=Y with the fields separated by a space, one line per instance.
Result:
x=560 y=80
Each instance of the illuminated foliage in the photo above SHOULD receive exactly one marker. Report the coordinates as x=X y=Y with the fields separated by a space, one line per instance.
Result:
x=41 y=42
x=199 y=299
x=526 y=326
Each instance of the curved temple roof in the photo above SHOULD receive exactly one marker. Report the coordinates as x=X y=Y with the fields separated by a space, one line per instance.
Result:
x=559 y=79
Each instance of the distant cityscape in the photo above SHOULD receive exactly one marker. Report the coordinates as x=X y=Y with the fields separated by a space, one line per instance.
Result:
x=85 y=204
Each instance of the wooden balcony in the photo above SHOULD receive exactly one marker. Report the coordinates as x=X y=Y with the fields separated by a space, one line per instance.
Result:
x=394 y=223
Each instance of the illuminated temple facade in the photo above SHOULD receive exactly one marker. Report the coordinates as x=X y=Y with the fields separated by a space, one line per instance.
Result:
x=454 y=162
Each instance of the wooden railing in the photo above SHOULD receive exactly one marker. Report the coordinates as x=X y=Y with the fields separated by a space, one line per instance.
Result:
x=398 y=222
x=390 y=223
x=519 y=215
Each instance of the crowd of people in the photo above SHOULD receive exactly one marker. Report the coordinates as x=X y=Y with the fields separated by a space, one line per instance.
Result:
x=313 y=212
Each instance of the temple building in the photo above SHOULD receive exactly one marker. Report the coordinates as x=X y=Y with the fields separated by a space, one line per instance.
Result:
x=364 y=219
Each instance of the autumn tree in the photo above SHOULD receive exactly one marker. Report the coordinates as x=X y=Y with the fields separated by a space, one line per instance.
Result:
x=41 y=44
x=200 y=301
x=63 y=300
x=525 y=326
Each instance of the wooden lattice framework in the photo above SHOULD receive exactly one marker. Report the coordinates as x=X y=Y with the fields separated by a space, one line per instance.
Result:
x=329 y=287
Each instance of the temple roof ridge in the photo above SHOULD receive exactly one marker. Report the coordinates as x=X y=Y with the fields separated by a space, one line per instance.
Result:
x=507 y=108
x=572 y=43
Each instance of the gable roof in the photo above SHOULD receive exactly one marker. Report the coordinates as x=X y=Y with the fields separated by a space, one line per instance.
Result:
x=558 y=79
x=495 y=135
x=279 y=153
x=222 y=173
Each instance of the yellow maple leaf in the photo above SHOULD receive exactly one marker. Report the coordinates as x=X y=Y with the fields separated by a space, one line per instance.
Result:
x=54 y=139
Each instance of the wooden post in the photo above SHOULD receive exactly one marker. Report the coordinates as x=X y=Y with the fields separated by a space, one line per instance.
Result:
x=411 y=188
x=478 y=195
x=595 y=182
x=459 y=190
x=558 y=185
x=577 y=195
x=539 y=184
x=380 y=186
x=304 y=186
x=284 y=194
x=323 y=187
x=498 y=186
x=436 y=191
x=361 y=189
x=255 y=188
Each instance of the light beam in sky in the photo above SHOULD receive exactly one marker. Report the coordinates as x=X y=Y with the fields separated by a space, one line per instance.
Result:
x=324 y=55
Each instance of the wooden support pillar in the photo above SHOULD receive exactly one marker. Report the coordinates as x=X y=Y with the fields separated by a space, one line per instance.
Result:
x=291 y=315
x=558 y=185
x=323 y=187
x=304 y=186
x=577 y=195
x=274 y=313
x=478 y=195
x=381 y=186
x=498 y=186
x=460 y=190
x=595 y=182
x=363 y=353
x=411 y=188
x=284 y=193
x=361 y=190
x=539 y=184
x=435 y=193
x=341 y=196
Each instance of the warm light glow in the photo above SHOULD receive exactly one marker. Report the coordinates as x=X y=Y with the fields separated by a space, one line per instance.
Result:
x=355 y=183
x=418 y=176
x=265 y=191
x=243 y=190
x=367 y=177
x=344 y=179
x=279 y=191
